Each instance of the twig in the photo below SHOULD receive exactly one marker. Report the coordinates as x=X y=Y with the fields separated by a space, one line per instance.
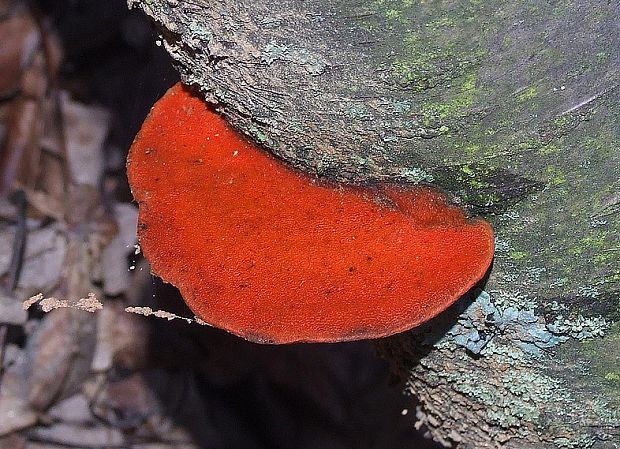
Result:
x=3 y=331
x=64 y=444
x=19 y=242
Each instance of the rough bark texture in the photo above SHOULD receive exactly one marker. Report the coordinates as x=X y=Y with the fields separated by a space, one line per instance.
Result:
x=514 y=108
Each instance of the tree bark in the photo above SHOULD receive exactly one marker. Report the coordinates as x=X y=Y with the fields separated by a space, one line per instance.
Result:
x=513 y=108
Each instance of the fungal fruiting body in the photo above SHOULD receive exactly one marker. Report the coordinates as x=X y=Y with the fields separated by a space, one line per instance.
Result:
x=276 y=256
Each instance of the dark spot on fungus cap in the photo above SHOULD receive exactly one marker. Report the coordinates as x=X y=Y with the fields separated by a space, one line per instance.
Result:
x=267 y=252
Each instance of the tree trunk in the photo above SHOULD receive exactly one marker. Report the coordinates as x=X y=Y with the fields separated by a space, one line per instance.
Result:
x=512 y=107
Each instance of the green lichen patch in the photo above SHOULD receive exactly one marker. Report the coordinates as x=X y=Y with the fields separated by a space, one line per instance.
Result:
x=433 y=51
x=604 y=356
x=487 y=189
x=459 y=101
x=510 y=319
x=527 y=94
x=311 y=62
x=508 y=336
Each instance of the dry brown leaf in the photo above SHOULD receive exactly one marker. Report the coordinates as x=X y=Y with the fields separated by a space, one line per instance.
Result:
x=8 y=211
x=45 y=251
x=86 y=128
x=13 y=441
x=64 y=435
x=116 y=277
x=15 y=412
x=59 y=354
x=45 y=204
x=131 y=340
x=20 y=38
x=73 y=410
x=20 y=152
x=122 y=338
x=11 y=311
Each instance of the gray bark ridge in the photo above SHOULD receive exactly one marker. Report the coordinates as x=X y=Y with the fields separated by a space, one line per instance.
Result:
x=513 y=107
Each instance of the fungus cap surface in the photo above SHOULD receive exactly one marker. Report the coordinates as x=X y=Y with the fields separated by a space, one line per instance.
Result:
x=276 y=256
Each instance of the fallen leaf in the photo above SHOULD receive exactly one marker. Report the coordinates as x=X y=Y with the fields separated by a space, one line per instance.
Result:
x=116 y=276
x=20 y=38
x=59 y=356
x=11 y=311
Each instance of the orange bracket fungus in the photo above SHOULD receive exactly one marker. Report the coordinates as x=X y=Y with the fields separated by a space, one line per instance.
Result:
x=276 y=256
